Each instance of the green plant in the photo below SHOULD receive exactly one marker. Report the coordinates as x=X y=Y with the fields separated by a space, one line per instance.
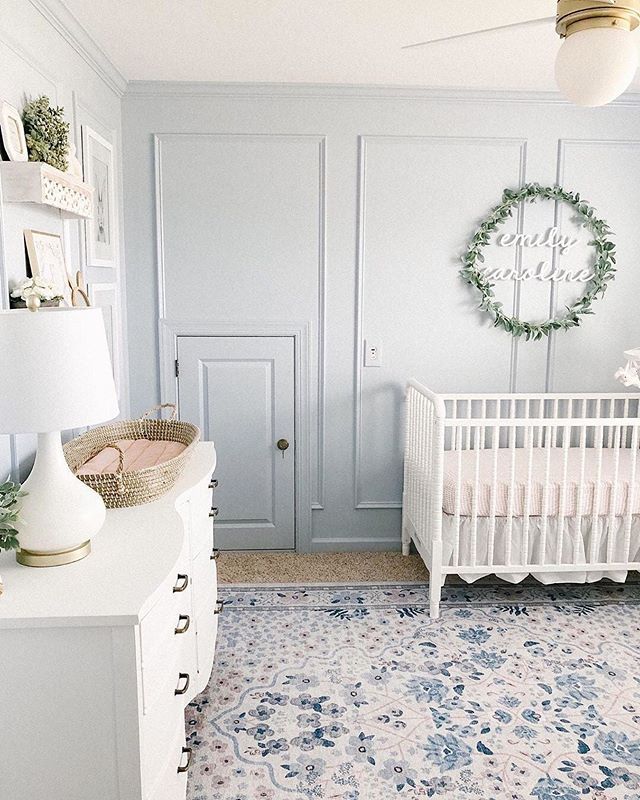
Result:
x=46 y=132
x=9 y=494
x=603 y=270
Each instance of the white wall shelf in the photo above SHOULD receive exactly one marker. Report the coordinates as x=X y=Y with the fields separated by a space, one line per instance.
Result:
x=35 y=182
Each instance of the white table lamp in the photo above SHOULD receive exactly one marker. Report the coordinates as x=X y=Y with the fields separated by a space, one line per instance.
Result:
x=56 y=374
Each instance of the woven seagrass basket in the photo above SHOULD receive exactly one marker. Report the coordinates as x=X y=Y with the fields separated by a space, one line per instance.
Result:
x=122 y=489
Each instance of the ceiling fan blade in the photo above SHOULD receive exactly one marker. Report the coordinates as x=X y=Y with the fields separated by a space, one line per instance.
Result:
x=527 y=23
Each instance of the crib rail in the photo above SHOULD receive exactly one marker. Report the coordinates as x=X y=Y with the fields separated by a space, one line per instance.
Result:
x=513 y=484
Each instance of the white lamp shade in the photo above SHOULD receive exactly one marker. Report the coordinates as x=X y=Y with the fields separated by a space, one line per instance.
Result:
x=55 y=370
x=596 y=65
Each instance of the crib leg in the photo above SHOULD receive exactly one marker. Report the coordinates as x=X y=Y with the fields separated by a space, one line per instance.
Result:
x=406 y=539
x=435 y=579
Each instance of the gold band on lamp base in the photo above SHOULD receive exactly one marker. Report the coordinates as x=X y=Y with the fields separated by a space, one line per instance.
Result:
x=33 y=558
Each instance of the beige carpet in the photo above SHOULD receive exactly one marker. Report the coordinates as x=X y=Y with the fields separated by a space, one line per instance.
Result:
x=319 y=567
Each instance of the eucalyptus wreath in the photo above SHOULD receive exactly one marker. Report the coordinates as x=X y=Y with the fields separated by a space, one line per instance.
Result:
x=603 y=269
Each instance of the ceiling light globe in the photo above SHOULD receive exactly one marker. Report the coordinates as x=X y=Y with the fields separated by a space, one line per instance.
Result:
x=596 y=65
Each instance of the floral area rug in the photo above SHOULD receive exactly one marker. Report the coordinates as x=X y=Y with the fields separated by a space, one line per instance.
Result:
x=353 y=693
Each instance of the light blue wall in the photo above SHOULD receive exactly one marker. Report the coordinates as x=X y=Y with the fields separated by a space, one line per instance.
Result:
x=348 y=208
x=42 y=51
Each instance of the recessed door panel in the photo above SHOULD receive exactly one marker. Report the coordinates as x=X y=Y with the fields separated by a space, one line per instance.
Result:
x=240 y=391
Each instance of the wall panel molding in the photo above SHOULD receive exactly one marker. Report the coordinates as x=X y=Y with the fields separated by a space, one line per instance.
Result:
x=563 y=146
x=361 y=274
x=321 y=142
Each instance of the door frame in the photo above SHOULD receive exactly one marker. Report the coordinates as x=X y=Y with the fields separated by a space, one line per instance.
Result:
x=300 y=332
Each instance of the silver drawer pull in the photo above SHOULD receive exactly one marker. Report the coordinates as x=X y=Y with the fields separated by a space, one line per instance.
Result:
x=214 y=483
x=185 y=767
x=219 y=607
x=182 y=676
x=215 y=554
x=214 y=511
x=181 y=583
x=185 y=619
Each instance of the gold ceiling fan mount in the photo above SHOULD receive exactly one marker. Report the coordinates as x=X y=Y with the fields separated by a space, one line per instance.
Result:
x=580 y=15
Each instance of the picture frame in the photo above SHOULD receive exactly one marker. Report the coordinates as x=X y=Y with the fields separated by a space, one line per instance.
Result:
x=101 y=229
x=14 y=142
x=46 y=258
x=105 y=297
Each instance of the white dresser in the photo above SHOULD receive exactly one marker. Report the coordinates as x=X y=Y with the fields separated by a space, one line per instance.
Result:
x=98 y=659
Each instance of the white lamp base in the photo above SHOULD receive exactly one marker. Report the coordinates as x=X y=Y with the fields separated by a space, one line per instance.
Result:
x=59 y=514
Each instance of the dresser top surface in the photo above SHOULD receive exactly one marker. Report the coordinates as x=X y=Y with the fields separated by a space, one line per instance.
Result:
x=131 y=557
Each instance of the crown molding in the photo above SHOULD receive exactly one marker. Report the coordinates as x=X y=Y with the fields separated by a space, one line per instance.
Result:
x=352 y=91
x=63 y=21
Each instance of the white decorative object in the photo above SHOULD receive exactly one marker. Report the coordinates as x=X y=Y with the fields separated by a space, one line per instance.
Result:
x=13 y=139
x=47 y=261
x=629 y=375
x=35 y=182
x=56 y=375
x=103 y=657
x=97 y=159
x=44 y=290
x=75 y=167
x=517 y=484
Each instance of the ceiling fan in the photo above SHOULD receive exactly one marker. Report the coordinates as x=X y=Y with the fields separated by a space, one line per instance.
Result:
x=599 y=55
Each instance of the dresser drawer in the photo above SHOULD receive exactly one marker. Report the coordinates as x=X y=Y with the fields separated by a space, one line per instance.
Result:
x=205 y=582
x=206 y=634
x=168 y=783
x=201 y=518
x=167 y=635
x=159 y=743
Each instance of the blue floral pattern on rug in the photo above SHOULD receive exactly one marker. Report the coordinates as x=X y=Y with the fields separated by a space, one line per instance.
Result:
x=353 y=693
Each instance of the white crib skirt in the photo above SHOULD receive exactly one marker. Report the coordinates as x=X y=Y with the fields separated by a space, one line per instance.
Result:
x=576 y=547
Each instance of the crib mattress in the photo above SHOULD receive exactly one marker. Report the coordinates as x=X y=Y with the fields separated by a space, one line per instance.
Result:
x=597 y=497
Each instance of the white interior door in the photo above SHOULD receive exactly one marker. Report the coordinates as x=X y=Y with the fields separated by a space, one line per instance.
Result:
x=240 y=391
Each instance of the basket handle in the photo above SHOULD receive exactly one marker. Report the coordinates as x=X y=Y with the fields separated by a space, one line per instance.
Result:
x=120 y=467
x=160 y=406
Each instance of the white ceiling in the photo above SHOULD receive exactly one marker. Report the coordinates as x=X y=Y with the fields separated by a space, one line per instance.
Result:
x=325 y=41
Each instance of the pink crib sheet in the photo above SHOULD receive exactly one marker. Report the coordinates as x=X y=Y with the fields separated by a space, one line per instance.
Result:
x=594 y=498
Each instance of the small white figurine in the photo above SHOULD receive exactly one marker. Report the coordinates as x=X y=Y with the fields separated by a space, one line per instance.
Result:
x=75 y=167
x=629 y=375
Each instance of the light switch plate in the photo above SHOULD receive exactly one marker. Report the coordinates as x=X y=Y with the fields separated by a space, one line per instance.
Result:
x=372 y=353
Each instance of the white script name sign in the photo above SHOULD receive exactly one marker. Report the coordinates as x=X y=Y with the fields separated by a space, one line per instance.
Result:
x=594 y=269
x=543 y=271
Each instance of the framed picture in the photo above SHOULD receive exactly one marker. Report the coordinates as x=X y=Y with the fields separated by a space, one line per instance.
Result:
x=105 y=296
x=13 y=141
x=100 y=231
x=46 y=259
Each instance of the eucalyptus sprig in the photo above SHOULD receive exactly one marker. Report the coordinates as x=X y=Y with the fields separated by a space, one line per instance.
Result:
x=10 y=493
x=603 y=269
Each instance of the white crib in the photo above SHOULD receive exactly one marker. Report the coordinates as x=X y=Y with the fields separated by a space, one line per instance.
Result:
x=518 y=484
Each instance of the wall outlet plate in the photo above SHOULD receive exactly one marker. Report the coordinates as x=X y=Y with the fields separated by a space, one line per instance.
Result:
x=372 y=353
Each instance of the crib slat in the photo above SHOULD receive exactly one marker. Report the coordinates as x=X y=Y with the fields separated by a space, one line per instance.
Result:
x=474 y=502
x=512 y=481
x=545 y=493
x=631 y=495
x=456 y=547
x=613 y=495
x=494 y=493
x=563 y=489
x=528 y=443
x=595 y=513
x=580 y=498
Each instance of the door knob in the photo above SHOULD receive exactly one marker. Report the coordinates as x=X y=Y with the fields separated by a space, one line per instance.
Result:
x=282 y=444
